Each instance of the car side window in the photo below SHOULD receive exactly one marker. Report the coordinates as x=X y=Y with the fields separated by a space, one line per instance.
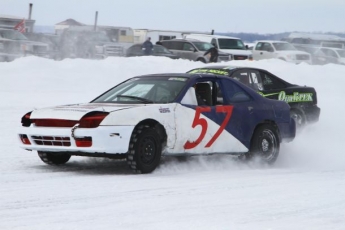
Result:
x=208 y=93
x=166 y=44
x=187 y=47
x=255 y=80
x=214 y=41
x=270 y=83
x=234 y=93
x=259 y=46
x=332 y=53
x=329 y=52
x=242 y=76
x=176 y=45
x=267 y=47
x=136 y=49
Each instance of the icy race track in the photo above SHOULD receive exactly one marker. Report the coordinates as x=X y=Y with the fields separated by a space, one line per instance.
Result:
x=305 y=189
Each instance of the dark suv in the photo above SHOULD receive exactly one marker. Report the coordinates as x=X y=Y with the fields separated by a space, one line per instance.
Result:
x=192 y=49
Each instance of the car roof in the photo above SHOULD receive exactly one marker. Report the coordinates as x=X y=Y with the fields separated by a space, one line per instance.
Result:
x=331 y=48
x=184 y=40
x=271 y=41
x=228 y=67
x=185 y=75
x=140 y=44
x=214 y=36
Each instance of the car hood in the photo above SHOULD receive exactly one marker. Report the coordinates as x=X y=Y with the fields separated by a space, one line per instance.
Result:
x=286 y=52
x=165 y=55
x=236 y=52
x=77 y=111
x=34 y=43
x=220 y=53
x=105 y=43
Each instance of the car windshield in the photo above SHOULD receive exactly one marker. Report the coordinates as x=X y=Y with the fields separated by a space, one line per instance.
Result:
x=144 y=90
x=203 y=46
x=283 y=46
x=12 y=34
x=341 y=53
x=99 y=37
x=160 y=50
x=226 y=43
x=310 y=50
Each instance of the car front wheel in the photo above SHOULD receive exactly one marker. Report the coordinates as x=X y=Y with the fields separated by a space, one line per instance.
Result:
x=54 y=158
x=145 y=149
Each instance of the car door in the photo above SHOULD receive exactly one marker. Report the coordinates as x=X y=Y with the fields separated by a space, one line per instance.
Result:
x=134 y=51
x=267 y=51
x=331 y=54
x=204 y=126
x=257 y=51
x=176 y=48
x=245 y=109
x=188 y=51
x=263 y=50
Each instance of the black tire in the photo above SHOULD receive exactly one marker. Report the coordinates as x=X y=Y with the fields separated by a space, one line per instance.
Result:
x=145 y=150
x=54 y=158
x=265 y=144
x=299 y=118
x=202 y=60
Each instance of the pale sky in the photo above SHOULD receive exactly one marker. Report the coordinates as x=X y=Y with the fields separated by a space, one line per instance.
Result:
x=256 y=16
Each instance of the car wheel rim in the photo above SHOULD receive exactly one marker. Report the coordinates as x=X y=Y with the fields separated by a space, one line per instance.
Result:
x=148 y=150
x=268 y=146
x=298 y=119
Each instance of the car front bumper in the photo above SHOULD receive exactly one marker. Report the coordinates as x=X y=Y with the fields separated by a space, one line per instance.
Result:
x=104 y=139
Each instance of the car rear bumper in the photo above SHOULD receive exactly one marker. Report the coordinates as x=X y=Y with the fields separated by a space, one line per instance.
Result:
x=287 y=131
x=312 y=113
x=104 y=139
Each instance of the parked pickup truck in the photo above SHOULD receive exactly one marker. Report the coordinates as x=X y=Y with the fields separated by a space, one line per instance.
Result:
x=280 y=50
x=88 y=44
x=14 y=44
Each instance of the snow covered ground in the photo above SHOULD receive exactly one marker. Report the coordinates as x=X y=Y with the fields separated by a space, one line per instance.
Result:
x=305 y=189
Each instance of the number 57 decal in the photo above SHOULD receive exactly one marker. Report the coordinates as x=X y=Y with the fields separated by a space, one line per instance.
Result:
x=203 y=123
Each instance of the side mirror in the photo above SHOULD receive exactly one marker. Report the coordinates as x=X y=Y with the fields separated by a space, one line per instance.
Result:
x=247 y=47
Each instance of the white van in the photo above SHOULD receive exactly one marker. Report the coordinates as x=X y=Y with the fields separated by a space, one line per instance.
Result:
x=225 y=44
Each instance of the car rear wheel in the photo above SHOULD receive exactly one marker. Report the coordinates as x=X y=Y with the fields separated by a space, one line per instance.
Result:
x=145 y=149
x=54 y=158
x=264 y=145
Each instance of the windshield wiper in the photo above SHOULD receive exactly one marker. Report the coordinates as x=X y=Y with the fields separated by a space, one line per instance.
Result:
x=137 y=98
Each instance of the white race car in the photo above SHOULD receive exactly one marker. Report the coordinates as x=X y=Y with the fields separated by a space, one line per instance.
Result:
x=148 y=116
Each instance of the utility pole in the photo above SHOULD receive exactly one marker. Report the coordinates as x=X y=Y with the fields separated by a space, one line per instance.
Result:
x=96 y=18
x=29 y=18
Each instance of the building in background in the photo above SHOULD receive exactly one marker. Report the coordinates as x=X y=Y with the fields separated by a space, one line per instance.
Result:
x=9 y=22
x=59 y=27
x=140 y=35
